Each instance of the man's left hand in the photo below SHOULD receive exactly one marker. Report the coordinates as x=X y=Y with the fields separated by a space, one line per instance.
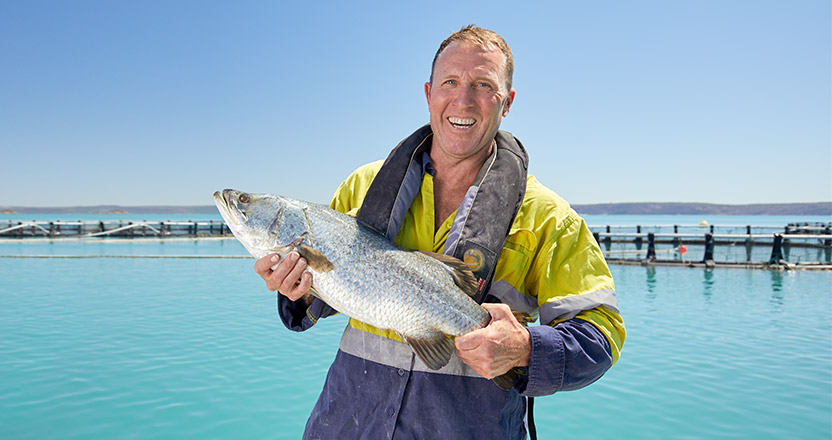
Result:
x=497 y=348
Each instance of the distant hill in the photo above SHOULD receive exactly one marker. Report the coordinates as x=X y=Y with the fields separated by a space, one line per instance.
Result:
x=820 y=208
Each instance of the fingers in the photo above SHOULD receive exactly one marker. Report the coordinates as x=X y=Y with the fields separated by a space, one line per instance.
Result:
x=498 y=311
x=478 y=338
x=286 y=276
x=474 y=350
x=292 y=273
x=469 y=341
x=264 y=265
x=305 y=282
x=498 y=347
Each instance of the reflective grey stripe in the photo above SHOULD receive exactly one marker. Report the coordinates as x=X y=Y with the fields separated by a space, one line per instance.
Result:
x=569 y=307
x=408 y=190
x=459 y=220
x=395 y=354
x=464 y=209
x=510 y=296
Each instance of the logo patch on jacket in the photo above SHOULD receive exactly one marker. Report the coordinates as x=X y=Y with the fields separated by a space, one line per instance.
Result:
x=473 y=258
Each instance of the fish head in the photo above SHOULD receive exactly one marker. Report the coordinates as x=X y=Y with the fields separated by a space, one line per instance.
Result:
x=263 y=223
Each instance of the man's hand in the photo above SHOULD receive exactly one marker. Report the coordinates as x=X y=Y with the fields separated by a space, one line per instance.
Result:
x=287 y=277
x=497 y=348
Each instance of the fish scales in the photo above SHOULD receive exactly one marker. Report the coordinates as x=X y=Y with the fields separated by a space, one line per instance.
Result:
x=376 y=282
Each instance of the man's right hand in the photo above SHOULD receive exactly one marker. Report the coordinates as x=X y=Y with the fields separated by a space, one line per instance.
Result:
x=287 y=277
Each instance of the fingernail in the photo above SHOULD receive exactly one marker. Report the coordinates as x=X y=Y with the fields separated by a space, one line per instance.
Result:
x=273 y=259
x=294 y=256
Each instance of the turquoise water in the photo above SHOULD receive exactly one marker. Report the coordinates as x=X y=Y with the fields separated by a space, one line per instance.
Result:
x=104 y=348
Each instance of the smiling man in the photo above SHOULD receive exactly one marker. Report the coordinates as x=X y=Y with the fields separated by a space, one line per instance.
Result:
x=459 y=186
x=468 y=95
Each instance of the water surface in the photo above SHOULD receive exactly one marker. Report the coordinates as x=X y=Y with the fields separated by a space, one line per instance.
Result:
x=120 y=348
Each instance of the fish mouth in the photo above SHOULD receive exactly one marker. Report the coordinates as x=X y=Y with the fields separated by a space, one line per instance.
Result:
x=228 y=208
x=219 y=199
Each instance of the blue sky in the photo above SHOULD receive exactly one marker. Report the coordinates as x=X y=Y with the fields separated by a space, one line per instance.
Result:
x=164 y=102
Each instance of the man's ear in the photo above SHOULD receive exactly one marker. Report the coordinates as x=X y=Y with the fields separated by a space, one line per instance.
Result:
x=427 y=91
x=509 y=101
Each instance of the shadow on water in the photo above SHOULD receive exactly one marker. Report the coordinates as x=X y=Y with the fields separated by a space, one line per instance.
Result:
x=777 y=287
x=776 y=281
x=651 y=282
x=708 y=283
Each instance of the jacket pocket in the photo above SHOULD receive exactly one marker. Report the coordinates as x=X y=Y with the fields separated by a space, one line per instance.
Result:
x=515 y=258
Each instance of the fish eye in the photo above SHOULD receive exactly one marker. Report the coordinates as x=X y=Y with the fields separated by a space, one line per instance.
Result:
x=244 y=198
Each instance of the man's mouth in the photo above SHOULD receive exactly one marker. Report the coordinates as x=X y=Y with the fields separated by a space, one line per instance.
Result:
x=461 y=122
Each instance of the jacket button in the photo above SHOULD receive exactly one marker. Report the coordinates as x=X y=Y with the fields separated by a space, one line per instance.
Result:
x=401 y=371
x=391 y=411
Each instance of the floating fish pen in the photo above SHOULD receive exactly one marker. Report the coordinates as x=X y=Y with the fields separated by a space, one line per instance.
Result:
x=795 y=246
x=112 y=228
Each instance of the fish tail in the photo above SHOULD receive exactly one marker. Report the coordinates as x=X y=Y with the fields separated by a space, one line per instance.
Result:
x=506 y=381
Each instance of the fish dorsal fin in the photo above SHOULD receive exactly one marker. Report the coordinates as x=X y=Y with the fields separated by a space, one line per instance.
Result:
x=461 y=273
x=316 y=259
x=434 y=348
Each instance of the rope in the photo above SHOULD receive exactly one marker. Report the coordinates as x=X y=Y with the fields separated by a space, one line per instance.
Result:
x=98 y=240
x=124 y=228
x=23 y=225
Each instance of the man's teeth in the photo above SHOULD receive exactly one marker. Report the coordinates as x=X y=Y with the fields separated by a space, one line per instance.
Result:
x=461 y=122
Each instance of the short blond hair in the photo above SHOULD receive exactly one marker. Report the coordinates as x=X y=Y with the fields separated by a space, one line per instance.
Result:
x=482 y=38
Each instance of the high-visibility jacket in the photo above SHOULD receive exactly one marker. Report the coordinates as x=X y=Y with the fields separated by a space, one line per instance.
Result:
x=550 y=267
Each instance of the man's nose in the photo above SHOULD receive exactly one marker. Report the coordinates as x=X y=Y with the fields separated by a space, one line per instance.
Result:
x=464 y=96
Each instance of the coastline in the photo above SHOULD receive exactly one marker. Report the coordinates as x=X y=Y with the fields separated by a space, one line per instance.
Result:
x=635 y=208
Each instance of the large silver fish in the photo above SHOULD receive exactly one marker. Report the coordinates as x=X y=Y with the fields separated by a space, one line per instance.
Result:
x=424 y=297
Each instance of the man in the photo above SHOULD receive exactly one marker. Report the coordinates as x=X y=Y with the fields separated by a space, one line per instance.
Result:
x=459 y=186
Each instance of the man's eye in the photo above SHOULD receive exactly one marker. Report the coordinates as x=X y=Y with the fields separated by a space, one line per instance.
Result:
x=451 y=82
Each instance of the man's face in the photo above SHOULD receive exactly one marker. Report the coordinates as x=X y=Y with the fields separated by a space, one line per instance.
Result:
x=467 y=99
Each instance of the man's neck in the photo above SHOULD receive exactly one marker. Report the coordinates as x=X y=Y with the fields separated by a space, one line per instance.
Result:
x=451 y=179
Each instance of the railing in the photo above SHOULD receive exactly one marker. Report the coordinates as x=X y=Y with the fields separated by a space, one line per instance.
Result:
x=112 y=228
x=793 y=246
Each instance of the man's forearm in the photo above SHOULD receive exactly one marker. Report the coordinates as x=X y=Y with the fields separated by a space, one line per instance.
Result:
x=569 y=356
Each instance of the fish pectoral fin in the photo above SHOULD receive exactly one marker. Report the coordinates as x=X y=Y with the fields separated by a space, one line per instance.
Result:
x=281 y=250
x=460 y=272
x=434 y=349
x=315 y=258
